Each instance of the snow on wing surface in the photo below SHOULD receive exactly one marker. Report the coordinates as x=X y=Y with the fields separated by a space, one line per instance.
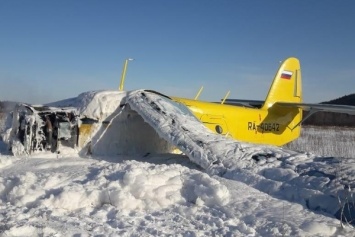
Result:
x=175 y=123
x=164 y=116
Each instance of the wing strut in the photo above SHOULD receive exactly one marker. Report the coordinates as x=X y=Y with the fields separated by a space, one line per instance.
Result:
x=198 y=93
x=310 y=113
x=224 y=99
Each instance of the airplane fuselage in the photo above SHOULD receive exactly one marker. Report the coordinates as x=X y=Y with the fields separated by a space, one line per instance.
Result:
x=263 y=126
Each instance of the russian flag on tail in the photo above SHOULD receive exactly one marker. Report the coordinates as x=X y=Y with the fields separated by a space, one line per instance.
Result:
x=286 y=75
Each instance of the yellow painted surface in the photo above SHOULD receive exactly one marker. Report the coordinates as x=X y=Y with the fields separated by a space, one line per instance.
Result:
x=271 y=124
x=84 y=133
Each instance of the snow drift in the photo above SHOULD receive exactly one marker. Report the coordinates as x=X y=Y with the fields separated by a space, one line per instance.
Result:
x=237 y=187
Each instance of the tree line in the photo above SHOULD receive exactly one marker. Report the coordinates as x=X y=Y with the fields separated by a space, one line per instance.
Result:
x=333 y=119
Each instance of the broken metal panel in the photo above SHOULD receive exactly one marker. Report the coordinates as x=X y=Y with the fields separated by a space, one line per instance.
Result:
x=64 y=130
x=41 y=128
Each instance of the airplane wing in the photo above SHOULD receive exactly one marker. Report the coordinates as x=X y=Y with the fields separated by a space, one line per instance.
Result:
x=345 y=109
x=175 y=123
x=313 y=108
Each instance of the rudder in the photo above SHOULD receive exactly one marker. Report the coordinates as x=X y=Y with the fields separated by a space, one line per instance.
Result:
x=287 y=84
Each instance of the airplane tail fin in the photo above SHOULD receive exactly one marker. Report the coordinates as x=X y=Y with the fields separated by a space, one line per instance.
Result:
x=287 y=84
x=286 y=88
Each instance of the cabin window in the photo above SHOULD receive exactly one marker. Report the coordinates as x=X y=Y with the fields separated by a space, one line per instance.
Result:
x=219 y=129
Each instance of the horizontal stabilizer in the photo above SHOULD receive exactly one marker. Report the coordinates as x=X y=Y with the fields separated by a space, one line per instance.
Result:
x=345 y=109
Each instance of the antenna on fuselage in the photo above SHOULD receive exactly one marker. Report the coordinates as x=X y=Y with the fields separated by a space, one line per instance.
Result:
x=224 y=99
x=198 y=93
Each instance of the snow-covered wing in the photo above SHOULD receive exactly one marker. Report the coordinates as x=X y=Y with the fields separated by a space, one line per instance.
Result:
x=165 y=116
x=175 y=123
x=96 y=105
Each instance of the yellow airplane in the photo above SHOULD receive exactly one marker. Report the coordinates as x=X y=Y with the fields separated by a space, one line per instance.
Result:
x=269 y=124
x=275 y=121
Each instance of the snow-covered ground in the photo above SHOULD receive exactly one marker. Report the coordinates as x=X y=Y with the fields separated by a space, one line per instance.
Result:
x=221 y=187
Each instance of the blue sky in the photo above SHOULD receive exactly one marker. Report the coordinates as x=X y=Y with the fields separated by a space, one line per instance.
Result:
x=52 y=50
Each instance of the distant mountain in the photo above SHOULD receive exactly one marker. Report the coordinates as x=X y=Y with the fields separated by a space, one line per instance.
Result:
x=333 y=119
x=344 y=100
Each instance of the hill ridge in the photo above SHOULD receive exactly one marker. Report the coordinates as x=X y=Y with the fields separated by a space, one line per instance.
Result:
x=344 y=100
